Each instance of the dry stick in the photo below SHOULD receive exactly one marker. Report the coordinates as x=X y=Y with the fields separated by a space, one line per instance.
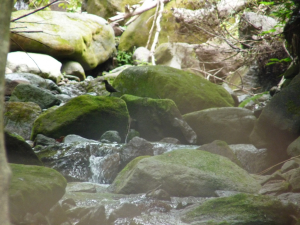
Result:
x=39 y=9
x=27 y=54
x=158 y=29
x=266 y=170
x=153 y=24
x=218 y=78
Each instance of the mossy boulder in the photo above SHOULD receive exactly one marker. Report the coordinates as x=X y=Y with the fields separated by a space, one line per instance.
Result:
x=278 y=125
x=137 y=33
x=184 y=172
x=87 y=116
x=84 y=38
x=19 y=151
x=33 y=189
x=243 y=209
x=19 y=117
x=155 y=119
x=232 y=125
x=189 y=91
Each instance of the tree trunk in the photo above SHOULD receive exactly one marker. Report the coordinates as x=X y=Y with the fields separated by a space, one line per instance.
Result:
x=6 y=7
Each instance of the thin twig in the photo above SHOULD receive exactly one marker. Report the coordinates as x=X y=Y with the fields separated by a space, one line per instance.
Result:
x=39 y=9
x=153 y=24
x=266 y=170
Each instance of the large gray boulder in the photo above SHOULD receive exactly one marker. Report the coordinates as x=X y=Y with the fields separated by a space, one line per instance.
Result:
x=232 y=125
x=84 y=38
x=189 y=91
x=183 y=172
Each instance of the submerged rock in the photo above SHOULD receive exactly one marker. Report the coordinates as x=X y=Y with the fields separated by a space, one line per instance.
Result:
x=183 y=173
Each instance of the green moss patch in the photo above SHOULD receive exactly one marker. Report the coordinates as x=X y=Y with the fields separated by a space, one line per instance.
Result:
x=34 y=189
x=243 y=209
x=87 y=116
x=189 y=91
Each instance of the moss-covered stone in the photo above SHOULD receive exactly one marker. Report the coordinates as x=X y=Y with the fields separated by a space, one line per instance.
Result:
x=18 y=151
x=243 y=209
x=84 y=38
x=189 y=91
x=184 y=172
x=87 y=116
x=19 y=117
x=33 y=189
x=155 y=119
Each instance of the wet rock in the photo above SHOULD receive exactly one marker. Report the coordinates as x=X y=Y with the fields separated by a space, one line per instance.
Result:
x=73 y=139
x=158 y=118
x=18 y=151
x=57 y=215
x=30 y=93
x=232 y=125
x=19 y=117
x=170 y=140
x=290 y=197
x=34 y=189
x=43 y=65
x=126 y=210
x=159 y=194
x=242 y=209
x=96 y=215
x=111 y=136
x=183 y=172
x=136 y=147
x=43 y=140
x=162 y=82
x=86 y=116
